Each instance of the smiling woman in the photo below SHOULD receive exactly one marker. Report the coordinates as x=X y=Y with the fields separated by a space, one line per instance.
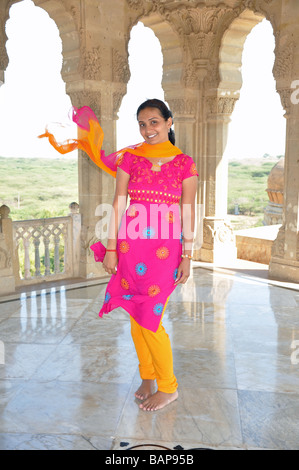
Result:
x=153 y=127
x=155 y=121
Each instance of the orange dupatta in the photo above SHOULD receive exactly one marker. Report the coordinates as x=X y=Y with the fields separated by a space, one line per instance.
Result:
x=90 y=140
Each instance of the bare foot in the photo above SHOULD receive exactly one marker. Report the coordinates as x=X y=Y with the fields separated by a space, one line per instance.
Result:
x=146 y=389
x=158 y=401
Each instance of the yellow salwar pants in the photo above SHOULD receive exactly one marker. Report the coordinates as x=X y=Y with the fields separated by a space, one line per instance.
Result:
x=155 y=355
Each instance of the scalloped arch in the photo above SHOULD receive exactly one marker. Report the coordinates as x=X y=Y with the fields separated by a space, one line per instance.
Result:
x=66 y=21
x=231 y=50
x=173 y=61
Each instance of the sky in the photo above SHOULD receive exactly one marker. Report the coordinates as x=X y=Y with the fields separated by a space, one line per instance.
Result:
x=34 y=93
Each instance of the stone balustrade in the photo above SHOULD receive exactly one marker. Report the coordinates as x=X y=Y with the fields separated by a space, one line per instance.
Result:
x=41 y=250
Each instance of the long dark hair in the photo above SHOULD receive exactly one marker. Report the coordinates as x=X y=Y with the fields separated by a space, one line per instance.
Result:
x=165 y=112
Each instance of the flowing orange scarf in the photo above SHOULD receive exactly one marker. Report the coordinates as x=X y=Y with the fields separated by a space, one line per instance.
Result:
x=90 y=140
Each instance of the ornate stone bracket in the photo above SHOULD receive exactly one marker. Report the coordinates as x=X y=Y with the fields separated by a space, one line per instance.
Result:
x=218 y=241
x=87 y=98
x=91 y=63
x=120 y=67
x=221 y=104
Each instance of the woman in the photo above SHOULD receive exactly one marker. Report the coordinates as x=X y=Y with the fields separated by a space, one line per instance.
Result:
x=149 y=247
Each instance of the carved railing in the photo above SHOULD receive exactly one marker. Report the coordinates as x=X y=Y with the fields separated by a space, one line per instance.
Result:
x=47 y=249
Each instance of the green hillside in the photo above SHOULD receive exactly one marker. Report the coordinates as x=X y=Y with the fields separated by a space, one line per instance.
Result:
x=40 y=188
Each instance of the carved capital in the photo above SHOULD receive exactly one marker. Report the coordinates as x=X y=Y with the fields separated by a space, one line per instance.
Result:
x=87 y=98
x=117 y=100
x=148 y=6
x=201 y=28
x=3 y=57
x=284 y=60
x=90 y=63
x=3 y=52
x=120 y=67
x=190 y=76
x=135 y=4
x=285 y=96
x=184 y=107
x=220 y=105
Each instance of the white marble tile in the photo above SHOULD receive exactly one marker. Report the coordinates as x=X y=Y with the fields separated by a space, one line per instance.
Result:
x=9 y=308
x=205 y=368
x=70 y=376
x=266 y=372
x=75 y=363
x=270 y=420
x=64 y=408
x=8 y=390
x=204 y=336
x=239 y=294
x=22 y=360
x=50 y=330
x=51 y=305
x=195 y=312
x=263 y=339
x=93 y=330
x=199 y=415
x=47 y=442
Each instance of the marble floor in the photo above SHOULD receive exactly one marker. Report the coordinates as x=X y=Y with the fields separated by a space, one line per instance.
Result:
x=67 y=377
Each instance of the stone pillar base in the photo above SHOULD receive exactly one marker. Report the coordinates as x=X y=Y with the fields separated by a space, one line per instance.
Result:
x=219 y=243
x=284 y=270
x=7 y=275
x=88 y=267
x=7 y=285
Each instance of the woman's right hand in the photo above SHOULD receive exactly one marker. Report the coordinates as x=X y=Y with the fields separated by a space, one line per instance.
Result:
x=110 y=262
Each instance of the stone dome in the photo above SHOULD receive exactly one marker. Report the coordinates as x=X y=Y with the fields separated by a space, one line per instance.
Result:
x=276 y=183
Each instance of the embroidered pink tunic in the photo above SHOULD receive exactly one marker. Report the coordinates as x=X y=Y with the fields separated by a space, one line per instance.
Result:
x=149 y=244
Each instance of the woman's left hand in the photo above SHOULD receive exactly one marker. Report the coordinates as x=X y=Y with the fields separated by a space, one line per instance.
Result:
x=183 y=272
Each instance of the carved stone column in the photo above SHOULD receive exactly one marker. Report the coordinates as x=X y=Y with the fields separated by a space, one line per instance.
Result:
x=101 y=83
x=218 y=237
x=95 y=186
x=184 y=113
x=284 y=263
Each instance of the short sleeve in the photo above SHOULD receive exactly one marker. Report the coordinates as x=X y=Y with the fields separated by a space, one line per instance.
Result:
x=125 y=163
x=189 y=169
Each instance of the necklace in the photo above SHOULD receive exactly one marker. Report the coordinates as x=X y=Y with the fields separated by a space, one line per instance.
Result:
x=159 y=163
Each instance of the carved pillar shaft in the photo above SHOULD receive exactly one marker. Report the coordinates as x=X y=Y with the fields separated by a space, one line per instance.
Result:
x=95 y=186
x=8 y=269
x=184 y=111
x=284 y=263
x=218 y=236
x=102 y=89
x=187 y=131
